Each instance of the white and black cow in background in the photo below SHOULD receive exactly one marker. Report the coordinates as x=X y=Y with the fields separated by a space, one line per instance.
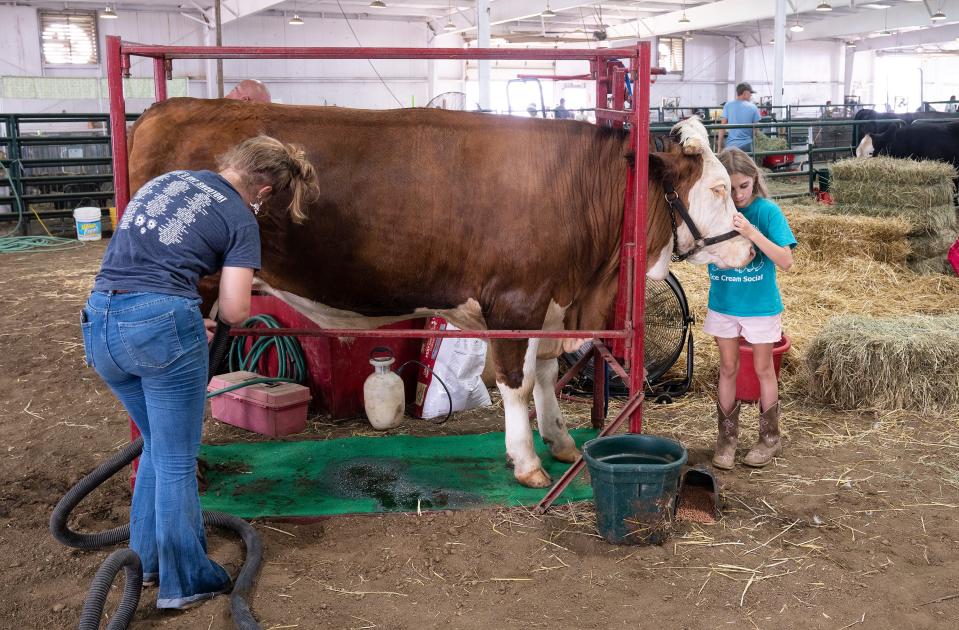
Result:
x=919 y=142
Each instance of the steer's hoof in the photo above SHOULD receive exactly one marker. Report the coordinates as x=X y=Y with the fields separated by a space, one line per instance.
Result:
x=535 y=479
x=568 y=455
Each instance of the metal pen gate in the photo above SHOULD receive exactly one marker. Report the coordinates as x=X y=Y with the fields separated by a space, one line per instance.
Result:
x=609 y=74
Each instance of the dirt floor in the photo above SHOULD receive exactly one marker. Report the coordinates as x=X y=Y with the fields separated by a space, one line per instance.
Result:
x=855 y=526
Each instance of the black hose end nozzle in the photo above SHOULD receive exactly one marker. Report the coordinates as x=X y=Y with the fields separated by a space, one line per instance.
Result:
x=218 y=348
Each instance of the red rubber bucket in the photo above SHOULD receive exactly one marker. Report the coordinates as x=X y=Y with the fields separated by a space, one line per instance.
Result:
x=747 y=383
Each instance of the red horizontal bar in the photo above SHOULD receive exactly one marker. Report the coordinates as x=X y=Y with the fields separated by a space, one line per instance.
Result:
x=420 y=334
x=345 y=52
x=614 y=114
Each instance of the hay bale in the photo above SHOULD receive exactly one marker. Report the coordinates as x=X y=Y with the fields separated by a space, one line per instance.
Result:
x=932 y=265
x=919 y=191
x=763 y=142
x=907 y=362
x=831 y=237
x=933 y=245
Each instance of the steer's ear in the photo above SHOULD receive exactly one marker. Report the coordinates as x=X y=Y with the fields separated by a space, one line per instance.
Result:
x=660 y=166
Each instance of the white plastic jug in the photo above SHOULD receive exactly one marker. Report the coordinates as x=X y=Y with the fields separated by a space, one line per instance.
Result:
x=88 y=223
x=383 y=396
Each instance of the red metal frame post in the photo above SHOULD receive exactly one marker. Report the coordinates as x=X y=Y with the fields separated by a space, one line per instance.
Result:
x=159 y=78
x=640 y=103
x=118 y=124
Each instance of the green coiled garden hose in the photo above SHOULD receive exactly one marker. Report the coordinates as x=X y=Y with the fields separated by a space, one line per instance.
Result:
x=291 y=364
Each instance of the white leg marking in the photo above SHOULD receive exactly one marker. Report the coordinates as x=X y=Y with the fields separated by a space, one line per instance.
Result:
x=527 y=466
x=552 y=424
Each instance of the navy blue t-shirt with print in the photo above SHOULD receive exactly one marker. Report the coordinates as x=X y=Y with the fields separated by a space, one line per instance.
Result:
x=177 y=228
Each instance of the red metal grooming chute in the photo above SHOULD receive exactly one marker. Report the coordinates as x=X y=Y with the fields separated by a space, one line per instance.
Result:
x=609 y=73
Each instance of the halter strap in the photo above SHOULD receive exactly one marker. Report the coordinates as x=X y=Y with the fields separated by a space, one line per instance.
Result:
x=677 y=206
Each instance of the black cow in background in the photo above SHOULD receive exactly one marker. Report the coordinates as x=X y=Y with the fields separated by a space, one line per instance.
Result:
x=878 y=122
x=919 y=142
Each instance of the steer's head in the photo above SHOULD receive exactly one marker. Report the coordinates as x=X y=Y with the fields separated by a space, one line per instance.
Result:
x=702 y=184
x=866 y=147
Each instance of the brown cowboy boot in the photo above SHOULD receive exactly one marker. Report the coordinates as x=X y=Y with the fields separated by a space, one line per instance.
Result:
x=768 y=444
x=727 y=437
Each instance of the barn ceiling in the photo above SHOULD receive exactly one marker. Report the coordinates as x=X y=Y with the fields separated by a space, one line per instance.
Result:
x=885 y=24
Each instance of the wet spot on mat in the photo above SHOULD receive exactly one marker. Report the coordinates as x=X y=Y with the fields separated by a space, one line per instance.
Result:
x=389 y=483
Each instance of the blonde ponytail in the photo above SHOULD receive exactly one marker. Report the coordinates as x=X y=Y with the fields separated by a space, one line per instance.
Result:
x=265 y=161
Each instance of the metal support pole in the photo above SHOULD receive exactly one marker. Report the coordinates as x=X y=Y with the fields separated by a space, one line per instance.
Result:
x=640 y=134
x=118 y=124
x=847 y=72
x=598 y=412
x=779 y=52
x=219 y=42
x=482 y=41
x=159 y=78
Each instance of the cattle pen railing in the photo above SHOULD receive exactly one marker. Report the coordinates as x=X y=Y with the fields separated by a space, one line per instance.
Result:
x=609 y=71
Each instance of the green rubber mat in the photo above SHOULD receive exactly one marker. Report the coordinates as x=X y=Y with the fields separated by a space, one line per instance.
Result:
x=396 y=473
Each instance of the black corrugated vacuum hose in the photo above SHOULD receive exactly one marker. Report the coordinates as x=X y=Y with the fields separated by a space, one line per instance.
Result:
x=127 y=559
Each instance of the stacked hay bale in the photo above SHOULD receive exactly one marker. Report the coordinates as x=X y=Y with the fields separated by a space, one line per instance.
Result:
x=830 y=237
x=886 y=363
x=919 y=192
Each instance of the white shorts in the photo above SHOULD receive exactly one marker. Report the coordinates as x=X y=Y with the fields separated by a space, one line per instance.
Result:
x=762 y=329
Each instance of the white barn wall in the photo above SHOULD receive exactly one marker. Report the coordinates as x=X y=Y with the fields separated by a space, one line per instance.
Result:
x=813 y=69
x=813 y=72
x=704 y=80
x=350 y=83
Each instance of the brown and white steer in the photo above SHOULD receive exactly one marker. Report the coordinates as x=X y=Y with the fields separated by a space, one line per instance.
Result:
x=490 y=222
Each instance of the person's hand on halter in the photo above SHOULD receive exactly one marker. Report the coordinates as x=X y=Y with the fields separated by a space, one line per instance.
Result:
x=742 y=225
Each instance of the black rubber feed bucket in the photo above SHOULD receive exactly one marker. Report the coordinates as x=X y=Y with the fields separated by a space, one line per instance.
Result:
x=634 y=486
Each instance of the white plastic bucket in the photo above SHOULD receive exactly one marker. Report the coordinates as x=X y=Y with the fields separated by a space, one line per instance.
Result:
x=88 y=223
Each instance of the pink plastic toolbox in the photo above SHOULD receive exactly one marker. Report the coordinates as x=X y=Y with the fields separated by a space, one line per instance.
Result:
x=267 y=408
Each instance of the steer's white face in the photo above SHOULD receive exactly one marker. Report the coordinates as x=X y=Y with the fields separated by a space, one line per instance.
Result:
x=865 y=148
x=710 y=206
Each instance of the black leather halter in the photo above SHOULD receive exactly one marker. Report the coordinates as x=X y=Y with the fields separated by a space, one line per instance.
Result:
x=676 y=205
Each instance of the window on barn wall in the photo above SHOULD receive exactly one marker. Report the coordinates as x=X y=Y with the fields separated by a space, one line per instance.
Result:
x=671 y=53
x=68 y=38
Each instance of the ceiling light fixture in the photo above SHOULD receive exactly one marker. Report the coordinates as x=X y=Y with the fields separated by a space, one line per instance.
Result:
x=885 y=23
x=377 y=4
x=824 y=6
x=687 y=36
x=684 y=19
x=938 y=16
x=548 y=12
x=109 y=13
x=850 y=44
x=296 y=21
x=797 y=27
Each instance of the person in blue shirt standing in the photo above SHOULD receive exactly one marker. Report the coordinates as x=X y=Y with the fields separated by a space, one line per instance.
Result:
x=144 y=335
x=745 y=302
x=740 y=111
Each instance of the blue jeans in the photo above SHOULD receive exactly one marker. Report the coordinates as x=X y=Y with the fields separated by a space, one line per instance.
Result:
x=151 y=350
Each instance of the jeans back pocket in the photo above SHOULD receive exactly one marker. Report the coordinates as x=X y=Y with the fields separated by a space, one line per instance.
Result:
x=86 y=331
x=152 y=343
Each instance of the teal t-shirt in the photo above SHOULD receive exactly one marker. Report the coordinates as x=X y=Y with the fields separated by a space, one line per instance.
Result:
x=751 y=291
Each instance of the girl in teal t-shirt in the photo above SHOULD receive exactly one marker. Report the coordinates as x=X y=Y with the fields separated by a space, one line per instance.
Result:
x=745 y=302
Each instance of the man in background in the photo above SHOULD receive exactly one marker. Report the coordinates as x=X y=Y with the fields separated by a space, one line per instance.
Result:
x=740 y=111
x=250 y=90
x=561 y=111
